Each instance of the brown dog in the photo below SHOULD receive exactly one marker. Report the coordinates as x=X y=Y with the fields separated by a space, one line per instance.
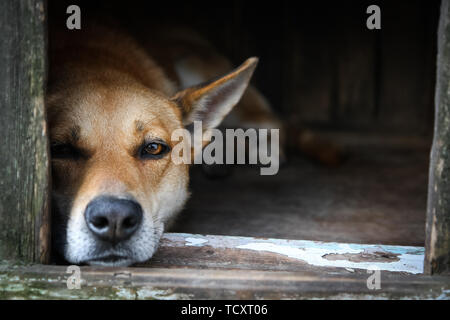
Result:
x=112 y=106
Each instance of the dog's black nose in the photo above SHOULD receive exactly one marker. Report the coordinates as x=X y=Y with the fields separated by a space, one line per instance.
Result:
x=113 y=219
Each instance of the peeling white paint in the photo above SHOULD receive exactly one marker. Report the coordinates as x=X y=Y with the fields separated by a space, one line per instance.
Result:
x=196 y=242
x=410 y=263
x=410 y=259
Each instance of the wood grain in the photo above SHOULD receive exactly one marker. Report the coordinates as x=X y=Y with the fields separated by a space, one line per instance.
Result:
x=24 y=164
x=247 y=253
x=50 y=282
x=437 y=259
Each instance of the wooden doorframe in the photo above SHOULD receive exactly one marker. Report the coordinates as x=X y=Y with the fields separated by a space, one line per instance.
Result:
x=24 y=153
x=437 y=258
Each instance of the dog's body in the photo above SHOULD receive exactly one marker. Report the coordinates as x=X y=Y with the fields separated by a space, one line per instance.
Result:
x=112 y=106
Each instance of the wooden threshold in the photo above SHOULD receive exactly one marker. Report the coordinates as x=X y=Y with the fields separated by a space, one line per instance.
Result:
x=209 y=251
x=189 y=266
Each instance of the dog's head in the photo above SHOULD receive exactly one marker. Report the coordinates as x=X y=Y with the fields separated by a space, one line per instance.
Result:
x=115 y=185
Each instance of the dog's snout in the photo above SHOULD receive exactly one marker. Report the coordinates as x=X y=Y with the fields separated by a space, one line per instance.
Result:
x=112 y=219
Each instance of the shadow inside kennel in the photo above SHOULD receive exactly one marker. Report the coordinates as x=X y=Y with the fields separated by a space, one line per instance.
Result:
x=368 y=91
x=377 y=196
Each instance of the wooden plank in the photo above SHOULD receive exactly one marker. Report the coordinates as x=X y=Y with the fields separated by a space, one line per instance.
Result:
x=24 y=174
x=356 y=75
x=221 y=267
x=309 y=70
x=391 y=141
x=404 y=53
x=226 y=252
x=438 y=215
x=50 y=282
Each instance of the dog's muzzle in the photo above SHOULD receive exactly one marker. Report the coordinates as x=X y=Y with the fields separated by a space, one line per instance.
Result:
x=113 y=220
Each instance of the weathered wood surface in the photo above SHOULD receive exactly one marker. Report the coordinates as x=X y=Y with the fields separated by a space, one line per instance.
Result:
x=438 y=216
x=24 y=175
x=189 y=266
x=50 y=282
x=405 y=64
x=357 y=68
x=226 y=252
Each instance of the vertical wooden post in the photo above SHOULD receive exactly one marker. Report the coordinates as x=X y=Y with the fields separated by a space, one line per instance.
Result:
x=24 y=162
x=437 y=258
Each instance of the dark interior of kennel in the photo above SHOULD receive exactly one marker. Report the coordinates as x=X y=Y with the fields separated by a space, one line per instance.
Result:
x=369 y=91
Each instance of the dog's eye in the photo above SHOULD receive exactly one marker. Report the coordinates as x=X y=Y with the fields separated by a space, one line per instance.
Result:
x=65 y=151
x=154 y=150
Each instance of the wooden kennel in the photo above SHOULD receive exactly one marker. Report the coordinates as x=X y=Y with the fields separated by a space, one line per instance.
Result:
x=360 y=87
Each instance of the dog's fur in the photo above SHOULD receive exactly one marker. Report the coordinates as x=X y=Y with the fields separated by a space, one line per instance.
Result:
x=108 y=96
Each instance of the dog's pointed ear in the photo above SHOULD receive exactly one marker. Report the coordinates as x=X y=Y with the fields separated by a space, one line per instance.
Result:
x=210 y=102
